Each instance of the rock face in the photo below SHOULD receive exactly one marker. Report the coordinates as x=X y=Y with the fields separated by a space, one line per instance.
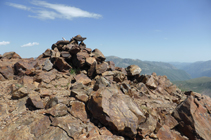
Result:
x=71 y=92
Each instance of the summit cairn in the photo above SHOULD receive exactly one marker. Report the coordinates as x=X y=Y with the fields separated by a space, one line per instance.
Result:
x=72 y=92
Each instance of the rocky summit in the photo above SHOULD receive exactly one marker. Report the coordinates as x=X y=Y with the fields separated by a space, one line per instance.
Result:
x=72 y=92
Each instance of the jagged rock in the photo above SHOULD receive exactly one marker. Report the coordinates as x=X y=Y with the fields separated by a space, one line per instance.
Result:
x=72 y=126
x=116 y=110
x=46 y=77
x=1 y=56
x=194 y=118
x=52 y=102
x=88 y=50
x=47 y=65
x=98 y=55
x=133 y=70
x=82 y=78
x=111 y=65
x=57 y=110
x=78 y=110
x=80 y=59
x=79 y=38
x=90 y=60
x=60 y=44
x=82 y=45
x=92 y=70
x=7 y=72
x=55 y=53
x=119 y=76
x=101 y=68
x=47 y=53
x=11 y=55
x=35 y=101
x=165 y=133
x=100 y=83
x=73 y=49
x=65 y=54
x=61 y=64
x=20 y=92
x=25 y=67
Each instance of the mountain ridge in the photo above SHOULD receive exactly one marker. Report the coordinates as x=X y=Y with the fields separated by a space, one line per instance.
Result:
x=148 y=67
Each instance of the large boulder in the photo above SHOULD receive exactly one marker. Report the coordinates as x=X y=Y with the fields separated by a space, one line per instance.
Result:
x=194 y=117
x=116 y=110
x=133 y=70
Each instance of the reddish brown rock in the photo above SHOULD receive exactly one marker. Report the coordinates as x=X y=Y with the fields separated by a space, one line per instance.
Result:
x=101 y=68
x=25 y=66
x=133 y=70
x=34 y=101
x=82 y=45
x=20 y=92
x=46 y=77
x=165 y=133
x=92 y=70
x=119 y=76
x=82 y=78
x=80 y=59
x=100 y=83
x=11 y=55
x=194 y=118
x=7 y=72
x=47 y=53
x=51 y=102
x=111 y=65
x=90 y=60
x=61 y=64
x=78 y=110
x=40 y=126
x=98 y=55
x=57 y=110
x=72 y=126
x=116 y=110
x=78 y=38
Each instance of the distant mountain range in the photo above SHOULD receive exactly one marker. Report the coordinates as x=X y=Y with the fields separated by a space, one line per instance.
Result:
x=200 y=85
x=197 y=69
x=148 y=67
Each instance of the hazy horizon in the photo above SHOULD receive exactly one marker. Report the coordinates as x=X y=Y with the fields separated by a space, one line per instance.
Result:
x=163 y=31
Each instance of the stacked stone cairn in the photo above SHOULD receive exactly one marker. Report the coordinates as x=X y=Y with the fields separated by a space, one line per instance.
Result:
x=71 y=92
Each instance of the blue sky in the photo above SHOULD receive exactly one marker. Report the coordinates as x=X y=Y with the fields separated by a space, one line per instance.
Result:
x=154 y=30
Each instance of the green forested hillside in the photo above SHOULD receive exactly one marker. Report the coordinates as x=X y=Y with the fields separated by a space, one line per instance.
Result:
x=148 y=67
x=200 y=85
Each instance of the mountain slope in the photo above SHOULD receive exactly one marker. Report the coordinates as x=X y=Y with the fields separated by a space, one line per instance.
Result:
x=148 y=67
x=197 y=69
x=200 y=85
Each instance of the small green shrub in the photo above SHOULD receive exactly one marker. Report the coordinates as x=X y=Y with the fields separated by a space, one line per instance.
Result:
x=74 y=71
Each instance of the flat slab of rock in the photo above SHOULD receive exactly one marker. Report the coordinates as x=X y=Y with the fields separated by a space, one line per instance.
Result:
x=116 y=110
x=82 y=78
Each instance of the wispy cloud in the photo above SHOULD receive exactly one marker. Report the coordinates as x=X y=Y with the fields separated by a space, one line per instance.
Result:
x=30 y=44
x=4 y=43
x=19 y=6
x=45 y=10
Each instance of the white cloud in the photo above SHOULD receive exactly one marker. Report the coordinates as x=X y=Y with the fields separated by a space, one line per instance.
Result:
x=30 y=44
x=4 y=43
x=19 y=6
x=45 y=10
